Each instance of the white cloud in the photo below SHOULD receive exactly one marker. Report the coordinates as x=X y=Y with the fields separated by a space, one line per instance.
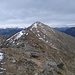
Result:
x=21 y=13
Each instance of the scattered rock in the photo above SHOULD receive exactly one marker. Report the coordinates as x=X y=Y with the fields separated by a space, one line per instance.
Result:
x=13 y=61
x=36 y=74
x=35 y=54
x=60 y=65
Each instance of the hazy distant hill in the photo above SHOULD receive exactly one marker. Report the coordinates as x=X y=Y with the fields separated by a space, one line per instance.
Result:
x=70 y=31
x=62 y=29
x=8 y=31
x=67 y=30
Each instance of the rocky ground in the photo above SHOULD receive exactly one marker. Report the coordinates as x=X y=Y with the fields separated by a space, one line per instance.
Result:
x=38 y=50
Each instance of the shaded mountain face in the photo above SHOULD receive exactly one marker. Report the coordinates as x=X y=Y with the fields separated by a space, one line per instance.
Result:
x=61 y=29
x=39 y=50
x=67 y=30
x=71 y=31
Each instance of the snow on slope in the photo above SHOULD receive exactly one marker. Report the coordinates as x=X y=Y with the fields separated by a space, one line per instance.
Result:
x=1 y=68
x=16 y=36
x=39 y=29
x=20 y=34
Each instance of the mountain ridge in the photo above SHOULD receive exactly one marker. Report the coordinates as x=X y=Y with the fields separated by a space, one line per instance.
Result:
x=40 y=50
x=37 y=27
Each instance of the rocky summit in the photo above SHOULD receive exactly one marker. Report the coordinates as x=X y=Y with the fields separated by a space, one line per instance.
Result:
x=38 y=50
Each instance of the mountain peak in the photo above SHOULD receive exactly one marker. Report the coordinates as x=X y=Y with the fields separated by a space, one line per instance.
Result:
x=37 y=23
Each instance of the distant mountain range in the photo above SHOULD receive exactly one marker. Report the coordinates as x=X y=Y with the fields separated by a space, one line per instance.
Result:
x=10 y=31
x=70 y=31
x=67 y=30
x=62 y=29
x=7 y=31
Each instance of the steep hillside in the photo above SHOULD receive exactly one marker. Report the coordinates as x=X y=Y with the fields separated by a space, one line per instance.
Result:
x=39 y=50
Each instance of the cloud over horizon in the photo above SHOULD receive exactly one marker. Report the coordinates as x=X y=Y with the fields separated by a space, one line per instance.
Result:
x=21 y=13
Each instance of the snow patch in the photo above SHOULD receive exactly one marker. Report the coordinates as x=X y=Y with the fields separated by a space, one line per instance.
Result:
x=1 y=56
x=41 y=39
x=46 y=41
x=19 y=35
x=13 y=41
x=53 y=46
x=15 y=37
x=35 y=25
x=44 y=31
x=2 y=63
x=17 y=43
x=13 y=61
x=38 y=34
x=26 y=33
x=36 y=74
x=44 y=36
x=31 y=29
x=1 y=72
x=3 y=69
x=38 y=31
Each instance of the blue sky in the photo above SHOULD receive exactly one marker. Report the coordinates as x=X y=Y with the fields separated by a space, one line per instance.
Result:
x=22 y=13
